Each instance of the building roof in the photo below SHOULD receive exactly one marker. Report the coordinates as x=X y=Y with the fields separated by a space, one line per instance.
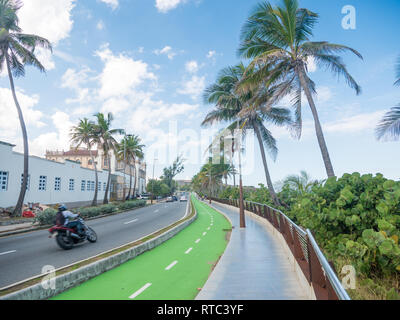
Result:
x=73 y=152
x=7 y=144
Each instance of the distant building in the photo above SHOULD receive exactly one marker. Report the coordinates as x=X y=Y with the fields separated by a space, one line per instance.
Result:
x=63 y=177
x=183 y=183
x=83 y=156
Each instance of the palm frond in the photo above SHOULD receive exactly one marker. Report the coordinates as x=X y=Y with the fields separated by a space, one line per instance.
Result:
x=389 y=125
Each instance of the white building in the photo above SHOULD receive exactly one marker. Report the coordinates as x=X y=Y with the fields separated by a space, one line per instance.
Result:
x=49 y=182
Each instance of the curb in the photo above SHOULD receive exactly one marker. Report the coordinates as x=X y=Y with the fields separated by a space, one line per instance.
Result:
x=74 y=278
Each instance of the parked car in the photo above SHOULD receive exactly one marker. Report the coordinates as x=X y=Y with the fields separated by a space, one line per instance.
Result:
x=182 y=199
x=144 y=196
x=170 y=199
x=174 y=198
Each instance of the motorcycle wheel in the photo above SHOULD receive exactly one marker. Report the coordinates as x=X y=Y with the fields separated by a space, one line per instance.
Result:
x=91 y=235
x=64 y=241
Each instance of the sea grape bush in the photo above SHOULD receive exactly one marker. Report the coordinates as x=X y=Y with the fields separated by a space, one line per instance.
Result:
x=357 y=217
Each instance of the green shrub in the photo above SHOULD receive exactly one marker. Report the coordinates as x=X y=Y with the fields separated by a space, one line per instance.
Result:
x=108 y=208
x=46 y=217
x=132 y=204
x=358 y=217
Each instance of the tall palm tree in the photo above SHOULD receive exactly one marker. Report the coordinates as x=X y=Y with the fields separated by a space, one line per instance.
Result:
x=278 y=38
x=137 y=154
x=390 y=124
x=17 y=50
x=107 y=141
x=84 y=133
x=249 y=110
x=130 y=147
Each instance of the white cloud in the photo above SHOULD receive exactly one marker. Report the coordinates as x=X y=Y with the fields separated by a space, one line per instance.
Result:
x=56 y=140
x=76 y=80
x=9 y=124
x=100 y=25
x=311 y=65
x=121 y=74
x=166 y=5
x=357 y=123
x=211 y=54
x=49 y=19
x=167 y=50
x=192 y=66
x=194 y=87
x=111 y=3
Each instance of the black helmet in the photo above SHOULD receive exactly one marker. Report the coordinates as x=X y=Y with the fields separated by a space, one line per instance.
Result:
x=62 y=207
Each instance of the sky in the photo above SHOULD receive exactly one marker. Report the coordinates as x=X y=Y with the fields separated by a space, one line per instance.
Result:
x=148 y=62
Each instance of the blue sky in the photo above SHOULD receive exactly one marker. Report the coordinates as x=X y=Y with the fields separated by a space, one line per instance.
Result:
x=148 y=61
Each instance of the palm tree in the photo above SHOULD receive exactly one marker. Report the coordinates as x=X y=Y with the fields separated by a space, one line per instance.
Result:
x=390 y=124
x=131 y=147
x=248 y=109
x=105 y=134
x=278 y=39
x=84 y=133
x=16 y=51
x=301 y=183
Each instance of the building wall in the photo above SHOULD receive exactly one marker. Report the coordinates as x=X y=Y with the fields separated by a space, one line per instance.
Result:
x=12 y=162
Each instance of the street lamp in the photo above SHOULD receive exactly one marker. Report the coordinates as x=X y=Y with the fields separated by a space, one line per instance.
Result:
x=152 y=185
x=241 y=204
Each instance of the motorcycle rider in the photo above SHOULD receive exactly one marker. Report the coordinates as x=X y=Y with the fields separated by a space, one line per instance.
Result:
x=63 y=216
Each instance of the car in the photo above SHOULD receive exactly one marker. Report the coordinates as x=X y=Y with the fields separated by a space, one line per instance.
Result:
x=174 y=198
x=170 y=199
x=144 y=196
x=182 y=199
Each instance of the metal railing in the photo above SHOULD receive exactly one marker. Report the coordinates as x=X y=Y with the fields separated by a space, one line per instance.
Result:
x=312 y=262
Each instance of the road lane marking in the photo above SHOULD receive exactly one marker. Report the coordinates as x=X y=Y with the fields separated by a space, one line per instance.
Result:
x=208 y=228
x=133 y=296
x=128 y=222
x=7 y=252
x=204 y=233
x=188 y=250
x=198 y=240
x=171 y=265
x=156 y=210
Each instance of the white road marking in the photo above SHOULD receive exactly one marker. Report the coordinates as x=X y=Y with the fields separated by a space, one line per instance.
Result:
x=198 y=240
x=156 y=210
x=171 y=265
x=188 y=250
x=140 y=291
x=208 y=228
x=128 y=222
x=3 y=253
x=204 y=233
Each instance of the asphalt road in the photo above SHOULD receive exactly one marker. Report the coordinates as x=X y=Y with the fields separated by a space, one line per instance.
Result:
x=23 y=256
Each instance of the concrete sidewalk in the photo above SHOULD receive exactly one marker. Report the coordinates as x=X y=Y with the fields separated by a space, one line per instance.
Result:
x=253 y=267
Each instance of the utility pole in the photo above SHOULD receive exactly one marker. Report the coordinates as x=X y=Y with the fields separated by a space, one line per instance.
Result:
x=124 y=186
x=152 y=185
x=241 y=204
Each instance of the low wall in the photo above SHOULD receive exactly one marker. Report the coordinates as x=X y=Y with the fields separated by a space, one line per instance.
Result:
x=74 y=278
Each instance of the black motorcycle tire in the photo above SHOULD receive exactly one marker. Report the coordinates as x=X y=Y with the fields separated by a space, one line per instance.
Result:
x=66 y=245
x=91 y=235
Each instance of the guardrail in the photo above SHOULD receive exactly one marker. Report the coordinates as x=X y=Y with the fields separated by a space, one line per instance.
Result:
x=314 y=265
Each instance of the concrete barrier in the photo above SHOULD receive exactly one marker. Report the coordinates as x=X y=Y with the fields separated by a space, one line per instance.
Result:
x=74 y=278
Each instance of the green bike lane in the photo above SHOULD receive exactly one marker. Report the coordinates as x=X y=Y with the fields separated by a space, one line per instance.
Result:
x=172 y=271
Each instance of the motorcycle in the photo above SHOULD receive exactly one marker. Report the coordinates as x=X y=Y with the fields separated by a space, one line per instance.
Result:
x=66 y=237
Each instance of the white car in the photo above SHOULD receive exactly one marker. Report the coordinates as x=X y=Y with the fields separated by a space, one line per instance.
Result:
x=182 y=198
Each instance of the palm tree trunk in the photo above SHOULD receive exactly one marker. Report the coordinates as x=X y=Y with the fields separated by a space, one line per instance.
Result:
x=18 y=208
x=105 y=201
x=96 y=190
x=318 y=128
x=134 y=185
x=130 y=181
x=264 y=159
